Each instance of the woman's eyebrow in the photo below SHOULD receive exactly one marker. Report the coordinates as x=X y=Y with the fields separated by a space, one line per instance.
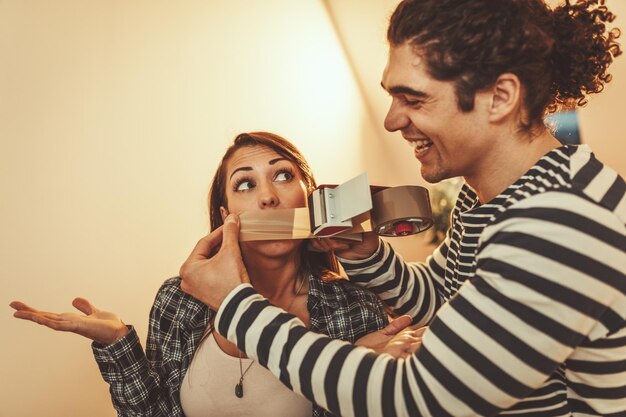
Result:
x=240 y=169
x=271 y=162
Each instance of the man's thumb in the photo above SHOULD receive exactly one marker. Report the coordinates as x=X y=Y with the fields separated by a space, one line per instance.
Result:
x=396 y=325
x=230 y=234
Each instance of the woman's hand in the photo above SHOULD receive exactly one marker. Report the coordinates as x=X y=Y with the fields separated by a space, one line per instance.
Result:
x=397 y=339
x=348 y=249
x=100 y=326
x=214 y=267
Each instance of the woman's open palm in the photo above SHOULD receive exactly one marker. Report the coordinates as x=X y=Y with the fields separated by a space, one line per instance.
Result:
x=101 y=326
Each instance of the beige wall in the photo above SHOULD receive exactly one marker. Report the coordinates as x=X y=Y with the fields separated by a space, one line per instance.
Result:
x=113 y=116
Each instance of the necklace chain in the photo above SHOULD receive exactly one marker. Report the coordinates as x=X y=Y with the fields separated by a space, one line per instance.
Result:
x=239 y=386
x=241 y=371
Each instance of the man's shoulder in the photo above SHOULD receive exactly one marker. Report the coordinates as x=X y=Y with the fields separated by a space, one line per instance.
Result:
x=598 y=182
x=569 y=178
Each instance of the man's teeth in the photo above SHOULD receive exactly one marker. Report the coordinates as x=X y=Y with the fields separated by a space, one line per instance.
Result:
x=420 y=145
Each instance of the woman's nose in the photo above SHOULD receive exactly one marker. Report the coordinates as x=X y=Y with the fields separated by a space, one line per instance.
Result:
x=268 y=198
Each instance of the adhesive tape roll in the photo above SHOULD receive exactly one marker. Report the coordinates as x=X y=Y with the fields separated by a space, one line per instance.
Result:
x=401 y=211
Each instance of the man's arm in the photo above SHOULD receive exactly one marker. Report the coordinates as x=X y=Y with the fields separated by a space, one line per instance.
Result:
x=412 y=288
x=492 y=345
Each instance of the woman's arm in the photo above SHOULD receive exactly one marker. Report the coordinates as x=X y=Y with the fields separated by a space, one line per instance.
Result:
x=134 y=379
x=137 y=380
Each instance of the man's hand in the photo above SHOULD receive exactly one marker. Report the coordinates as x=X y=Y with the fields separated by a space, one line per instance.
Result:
x=214 y=267
x=348 y=249
x=397 y=339
x=101 y=326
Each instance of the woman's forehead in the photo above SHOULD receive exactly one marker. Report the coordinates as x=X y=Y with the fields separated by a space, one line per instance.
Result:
x=252 y=156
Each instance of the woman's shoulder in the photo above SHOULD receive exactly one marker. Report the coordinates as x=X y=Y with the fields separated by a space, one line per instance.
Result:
x=171 y=300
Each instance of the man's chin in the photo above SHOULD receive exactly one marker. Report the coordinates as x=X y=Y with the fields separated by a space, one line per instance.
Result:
x=433 y=178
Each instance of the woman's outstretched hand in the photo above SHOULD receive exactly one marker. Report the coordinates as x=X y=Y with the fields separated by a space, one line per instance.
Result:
x=100 y=326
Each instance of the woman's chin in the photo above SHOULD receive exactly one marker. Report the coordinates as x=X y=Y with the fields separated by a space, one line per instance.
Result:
x=273 y=248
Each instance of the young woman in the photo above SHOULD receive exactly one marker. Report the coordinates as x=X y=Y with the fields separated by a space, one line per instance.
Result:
x=187 y=368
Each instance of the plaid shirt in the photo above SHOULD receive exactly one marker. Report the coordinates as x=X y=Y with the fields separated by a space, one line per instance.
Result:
x=149 y=384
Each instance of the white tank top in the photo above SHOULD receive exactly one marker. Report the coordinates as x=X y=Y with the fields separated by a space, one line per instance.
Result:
x=208 y=388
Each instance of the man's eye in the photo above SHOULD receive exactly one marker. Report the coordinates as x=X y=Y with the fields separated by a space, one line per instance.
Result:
x=409 y=102
x=244 y=185
x=284 y=176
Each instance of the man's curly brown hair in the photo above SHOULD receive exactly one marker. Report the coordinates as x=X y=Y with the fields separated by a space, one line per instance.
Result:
x=559 y=55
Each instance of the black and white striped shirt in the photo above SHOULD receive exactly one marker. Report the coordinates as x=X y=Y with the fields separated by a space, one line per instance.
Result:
x=525 y=302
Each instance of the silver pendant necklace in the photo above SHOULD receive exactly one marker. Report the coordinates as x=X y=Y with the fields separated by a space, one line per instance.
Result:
x=242 y=373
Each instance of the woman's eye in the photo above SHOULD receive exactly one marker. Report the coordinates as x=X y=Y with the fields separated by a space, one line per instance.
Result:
x=284 y=176
x=244 y=185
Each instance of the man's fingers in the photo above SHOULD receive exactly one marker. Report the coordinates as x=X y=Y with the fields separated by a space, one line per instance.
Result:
x=84 y=306
x=420 y=332
x=334 y=244
x=398 y=324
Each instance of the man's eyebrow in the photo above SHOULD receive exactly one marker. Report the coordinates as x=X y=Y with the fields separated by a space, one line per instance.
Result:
x=401 y=89
x=271 y=162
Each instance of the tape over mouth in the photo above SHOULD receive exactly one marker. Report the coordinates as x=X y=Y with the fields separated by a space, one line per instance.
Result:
x=345 y=211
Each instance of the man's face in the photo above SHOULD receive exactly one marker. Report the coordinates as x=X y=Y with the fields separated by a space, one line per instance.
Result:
x=447 y=142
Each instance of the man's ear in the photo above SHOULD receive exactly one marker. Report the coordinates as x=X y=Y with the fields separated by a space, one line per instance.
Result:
x=506 y=97
x=223 y=213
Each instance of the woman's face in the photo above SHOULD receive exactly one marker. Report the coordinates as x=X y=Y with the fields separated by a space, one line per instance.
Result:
x=258 y=178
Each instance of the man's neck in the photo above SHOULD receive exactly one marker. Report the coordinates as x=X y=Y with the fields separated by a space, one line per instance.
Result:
x=511 y=159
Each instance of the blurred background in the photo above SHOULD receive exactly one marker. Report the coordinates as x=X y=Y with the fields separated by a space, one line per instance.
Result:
x=113 y=117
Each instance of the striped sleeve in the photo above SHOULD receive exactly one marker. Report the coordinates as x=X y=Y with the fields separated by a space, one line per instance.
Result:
x=553 y=268
x=550 y=287
x=408 y=288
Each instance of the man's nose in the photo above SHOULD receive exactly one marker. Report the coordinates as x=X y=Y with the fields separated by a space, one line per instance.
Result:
x=395 y=119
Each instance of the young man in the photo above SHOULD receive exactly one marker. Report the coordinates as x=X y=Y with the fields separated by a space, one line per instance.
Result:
x=526 y=298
